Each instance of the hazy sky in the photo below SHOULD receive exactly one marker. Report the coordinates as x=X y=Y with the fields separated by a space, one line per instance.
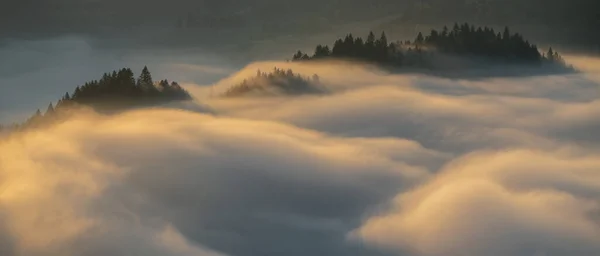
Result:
x=570 y=21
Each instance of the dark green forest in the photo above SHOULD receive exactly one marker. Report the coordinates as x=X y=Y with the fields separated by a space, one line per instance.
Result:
x=279 y=82
x=462 y=40
x=114 y=91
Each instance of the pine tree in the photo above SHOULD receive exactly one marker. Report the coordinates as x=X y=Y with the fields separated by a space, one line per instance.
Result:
x=557 y=57
x=370 y=40
x=36 y=117
x=77 y=93
x=321 y=51
x=164 y=85
x=50 y=110
x=298 y=55
x=550 y=54
x=383 y=39
x=506 y=34
x=145 y=80
x=455 y=29
x=419 y=40
x=338 y=48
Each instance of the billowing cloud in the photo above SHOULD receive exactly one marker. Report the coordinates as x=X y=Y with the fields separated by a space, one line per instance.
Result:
x=506 y=203
x=386 y=164
x=452 y=115
x=113 y=185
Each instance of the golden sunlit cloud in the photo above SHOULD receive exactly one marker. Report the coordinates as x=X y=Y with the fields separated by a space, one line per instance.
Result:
x=405 y=164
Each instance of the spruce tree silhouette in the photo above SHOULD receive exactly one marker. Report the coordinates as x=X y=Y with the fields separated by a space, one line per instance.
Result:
x=550 y=54
x=145 y=80
x=49 y=110
x=420 y=39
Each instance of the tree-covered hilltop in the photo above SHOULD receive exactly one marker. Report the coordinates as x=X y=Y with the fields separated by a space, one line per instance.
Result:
x=114 y=91
x=462 y=40
x=120 y=87
x=277 y=82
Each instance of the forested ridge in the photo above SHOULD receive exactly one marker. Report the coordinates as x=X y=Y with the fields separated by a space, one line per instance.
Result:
x=462 y=40
x=276 y=82
x=114 y=91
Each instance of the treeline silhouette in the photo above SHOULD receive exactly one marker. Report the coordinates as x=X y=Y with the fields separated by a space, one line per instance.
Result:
x=462 y=40
x=278 y=81
x=114 y=91
x=120 y=87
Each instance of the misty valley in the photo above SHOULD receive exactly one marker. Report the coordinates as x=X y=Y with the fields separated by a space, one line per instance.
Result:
x=464 y=140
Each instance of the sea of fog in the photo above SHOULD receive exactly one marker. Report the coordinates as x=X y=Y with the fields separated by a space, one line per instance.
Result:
x=386 y=164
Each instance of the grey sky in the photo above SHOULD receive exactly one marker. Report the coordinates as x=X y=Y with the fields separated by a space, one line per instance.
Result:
x=564 y=21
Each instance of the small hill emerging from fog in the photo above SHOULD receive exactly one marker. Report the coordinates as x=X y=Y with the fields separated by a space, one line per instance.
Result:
x=116 y=91
x=462 y=48
x=277 y=82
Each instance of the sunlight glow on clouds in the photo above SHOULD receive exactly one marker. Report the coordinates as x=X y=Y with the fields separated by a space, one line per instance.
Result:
x=506 y=203
x=385 y=165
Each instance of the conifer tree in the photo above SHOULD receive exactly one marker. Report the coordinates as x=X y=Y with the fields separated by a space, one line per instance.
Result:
x=321 y=51
x=49 y=110
x=35 y=118
x=506 y=34
x=557 y=57
x=455 y=29
x=419 y=40
x=337 y=48
x=383 y=39
x=145 y=80
x=550 y=54
x=370 y=40
x=77 y=93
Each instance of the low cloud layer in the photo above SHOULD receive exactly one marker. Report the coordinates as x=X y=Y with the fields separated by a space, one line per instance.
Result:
x=384 y=165
x=236 y=185
x=498 y=203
